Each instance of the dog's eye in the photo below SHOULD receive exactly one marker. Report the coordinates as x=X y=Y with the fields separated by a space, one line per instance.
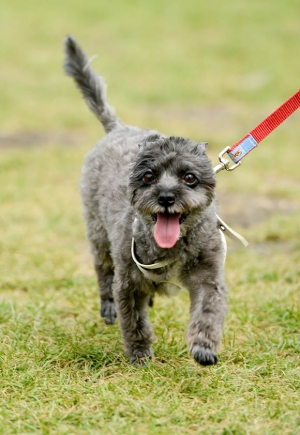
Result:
x=148 y=177
x=190 y=179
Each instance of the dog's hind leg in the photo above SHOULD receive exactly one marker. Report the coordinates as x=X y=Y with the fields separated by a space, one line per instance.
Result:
x=105 y=273
x=105 y=277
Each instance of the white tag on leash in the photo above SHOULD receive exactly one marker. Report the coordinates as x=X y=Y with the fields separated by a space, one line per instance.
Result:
x=224 y=243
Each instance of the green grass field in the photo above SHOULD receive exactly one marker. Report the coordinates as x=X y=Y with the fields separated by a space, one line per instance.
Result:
x=207 y=70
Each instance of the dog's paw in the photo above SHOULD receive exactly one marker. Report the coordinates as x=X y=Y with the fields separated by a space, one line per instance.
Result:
x=141 y=358
x=151 y=301
x=108 y=311
x=204 y=356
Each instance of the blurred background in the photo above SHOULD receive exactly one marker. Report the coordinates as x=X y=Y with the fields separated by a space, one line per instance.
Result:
x=208 y=70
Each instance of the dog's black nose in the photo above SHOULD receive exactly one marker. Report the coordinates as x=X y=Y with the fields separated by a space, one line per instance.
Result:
x=166 y=199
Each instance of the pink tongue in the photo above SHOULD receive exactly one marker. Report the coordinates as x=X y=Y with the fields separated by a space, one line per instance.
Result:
x=167 y=230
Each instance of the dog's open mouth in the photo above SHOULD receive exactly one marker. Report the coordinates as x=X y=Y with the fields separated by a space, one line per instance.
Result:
x=167 y=228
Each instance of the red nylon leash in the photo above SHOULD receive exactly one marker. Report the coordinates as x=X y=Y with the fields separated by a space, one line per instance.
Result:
x=262 y=130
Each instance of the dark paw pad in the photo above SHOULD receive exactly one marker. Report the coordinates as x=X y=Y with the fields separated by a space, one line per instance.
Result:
x=204 y=356
x=108 y=312
x=151 y=301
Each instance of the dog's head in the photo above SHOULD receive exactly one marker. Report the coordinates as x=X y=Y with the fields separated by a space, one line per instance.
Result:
x=172 y=183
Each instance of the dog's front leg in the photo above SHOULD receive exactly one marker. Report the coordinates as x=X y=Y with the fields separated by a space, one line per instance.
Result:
x=208 y=311
x=135 y=326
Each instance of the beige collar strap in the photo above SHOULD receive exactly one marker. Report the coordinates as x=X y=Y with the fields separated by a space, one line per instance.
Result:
x=146 y=268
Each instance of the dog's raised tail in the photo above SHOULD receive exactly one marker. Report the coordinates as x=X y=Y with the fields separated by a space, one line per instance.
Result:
x=92 y=86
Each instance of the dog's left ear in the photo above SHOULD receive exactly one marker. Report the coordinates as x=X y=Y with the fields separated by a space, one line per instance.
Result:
x=200 y=148
x=150 y=139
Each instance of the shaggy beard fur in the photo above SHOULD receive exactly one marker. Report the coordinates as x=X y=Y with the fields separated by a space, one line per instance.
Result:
x=159 y=191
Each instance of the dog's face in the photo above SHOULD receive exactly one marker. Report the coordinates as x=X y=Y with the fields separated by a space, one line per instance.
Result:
x=172 y=183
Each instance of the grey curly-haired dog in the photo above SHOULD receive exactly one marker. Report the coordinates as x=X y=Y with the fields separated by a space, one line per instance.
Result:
x=150 y=210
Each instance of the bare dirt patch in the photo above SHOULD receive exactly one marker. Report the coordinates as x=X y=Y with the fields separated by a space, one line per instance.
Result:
x=30 y=139
x=250 y=209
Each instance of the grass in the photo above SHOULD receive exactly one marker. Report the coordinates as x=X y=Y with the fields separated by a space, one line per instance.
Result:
x=207 y=70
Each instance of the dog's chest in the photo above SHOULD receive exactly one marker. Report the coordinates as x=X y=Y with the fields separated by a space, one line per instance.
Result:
x=173 y=284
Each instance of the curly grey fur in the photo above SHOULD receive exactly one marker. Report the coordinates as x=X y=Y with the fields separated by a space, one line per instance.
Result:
x=92 y=86
x=119 y=205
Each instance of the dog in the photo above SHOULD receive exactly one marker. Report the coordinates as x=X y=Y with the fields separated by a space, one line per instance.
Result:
x=150 y=209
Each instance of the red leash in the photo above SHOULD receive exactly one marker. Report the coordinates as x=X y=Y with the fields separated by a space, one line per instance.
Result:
x=251 y=140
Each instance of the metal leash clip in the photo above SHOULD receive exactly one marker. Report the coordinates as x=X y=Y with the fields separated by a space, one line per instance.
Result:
x=224 y=163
